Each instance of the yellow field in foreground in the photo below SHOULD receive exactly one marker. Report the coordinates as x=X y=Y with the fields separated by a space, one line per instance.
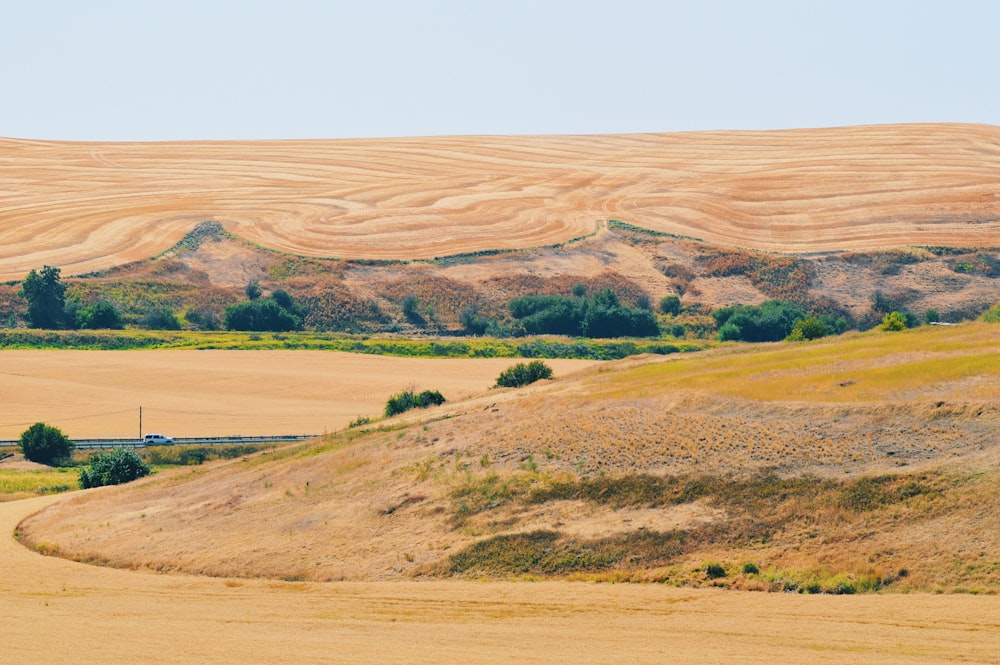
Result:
x=60 y=612
x=91 y=394
x=91 y=206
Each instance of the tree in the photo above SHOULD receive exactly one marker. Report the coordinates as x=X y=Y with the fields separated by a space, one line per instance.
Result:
x=121 y=465
x=252 y=289
x=46 y=444
x=670 y=305
x=46 y=296
x=472 y=322
x=411 y=310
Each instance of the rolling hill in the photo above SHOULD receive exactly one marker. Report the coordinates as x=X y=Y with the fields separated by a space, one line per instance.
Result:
x=859 y=463
x=88 y=207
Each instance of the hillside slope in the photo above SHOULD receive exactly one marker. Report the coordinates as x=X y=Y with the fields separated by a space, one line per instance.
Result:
x=863 y=462
x=92 y=206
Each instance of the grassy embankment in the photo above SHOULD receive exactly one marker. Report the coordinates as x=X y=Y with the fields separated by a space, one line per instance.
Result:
x=549 y=347
x=22 y=484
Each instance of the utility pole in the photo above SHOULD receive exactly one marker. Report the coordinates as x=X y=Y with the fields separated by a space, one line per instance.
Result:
x=140 y=423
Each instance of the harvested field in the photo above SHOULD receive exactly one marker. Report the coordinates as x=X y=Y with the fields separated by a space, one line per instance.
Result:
x=61 y=612
x=93 y=394
x=91 y=206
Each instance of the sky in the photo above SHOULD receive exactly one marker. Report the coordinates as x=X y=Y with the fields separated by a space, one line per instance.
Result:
x=152 y=70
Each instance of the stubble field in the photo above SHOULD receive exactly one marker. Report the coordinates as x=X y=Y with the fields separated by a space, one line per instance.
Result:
x=62 y=612
x=91 y=206
x=94 y=394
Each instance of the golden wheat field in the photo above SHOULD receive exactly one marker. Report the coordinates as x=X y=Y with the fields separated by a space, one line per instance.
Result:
x=94 y=394
x=90 y=206
x=61 y=612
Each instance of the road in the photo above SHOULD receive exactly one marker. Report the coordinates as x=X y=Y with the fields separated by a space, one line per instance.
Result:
x=185 y=441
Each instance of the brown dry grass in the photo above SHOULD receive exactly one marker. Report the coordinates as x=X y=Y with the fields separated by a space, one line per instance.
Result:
x=61 y=612
x=93 y=394
x=90 y=206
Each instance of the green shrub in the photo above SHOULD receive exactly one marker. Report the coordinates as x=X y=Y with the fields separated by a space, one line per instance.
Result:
x=715 y=570
x=121 y=465
x=808 y=328
x=406 y=400
x=46 y=444
x=522 y=374
x=100 y=315
x=992 y=315
x=600 y=316
x=893 y=321
x=670 y=305
x=161 y=318
x=260 y=315
x=769 y=322
x=750 y=569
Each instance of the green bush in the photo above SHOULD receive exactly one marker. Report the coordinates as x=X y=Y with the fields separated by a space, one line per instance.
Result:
x=893 y=321
x=769 y=322
x=161 y=318
x=992 y=315
x=262 y=314
x=46 y=445
x=522 y=374
x=100 y=315
x=406 y=400
x=121 y=465
x=670 y=305
x=808 y=328
x=600 y=316
x=715 y=570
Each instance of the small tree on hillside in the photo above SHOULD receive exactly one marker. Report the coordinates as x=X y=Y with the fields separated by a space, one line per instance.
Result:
x=46 y=444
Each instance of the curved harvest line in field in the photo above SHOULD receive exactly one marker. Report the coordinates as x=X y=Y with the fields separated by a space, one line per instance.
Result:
x=90 y=206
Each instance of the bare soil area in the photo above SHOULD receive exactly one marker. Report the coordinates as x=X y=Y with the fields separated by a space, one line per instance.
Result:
x=92 y=206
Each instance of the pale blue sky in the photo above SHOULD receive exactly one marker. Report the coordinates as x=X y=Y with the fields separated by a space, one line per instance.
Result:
x=259 y=69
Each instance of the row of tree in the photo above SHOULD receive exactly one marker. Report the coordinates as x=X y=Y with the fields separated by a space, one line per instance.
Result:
x=47 y=306
x=602 y=315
